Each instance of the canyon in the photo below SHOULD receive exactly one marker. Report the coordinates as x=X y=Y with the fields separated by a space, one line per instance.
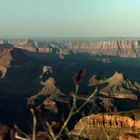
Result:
x=121 y=48
x=117 y=126
x=21 y=68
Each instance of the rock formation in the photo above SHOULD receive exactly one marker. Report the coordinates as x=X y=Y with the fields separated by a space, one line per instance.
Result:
x=50 y=91
x=115 y=126
x=50 y=88
x=117 y=86
x=17 y=70
x=46 y=70
x=12 y=58
x=5 y=60
x=122 y=48
x=3 y=71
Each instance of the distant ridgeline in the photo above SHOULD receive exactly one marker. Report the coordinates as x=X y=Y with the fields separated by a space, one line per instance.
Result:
x=121 y=48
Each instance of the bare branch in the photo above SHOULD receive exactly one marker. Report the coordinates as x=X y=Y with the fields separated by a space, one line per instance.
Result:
x=34 y=124
x=50 y=131
x=21 y=132
x=86 y=102
x=20 y=138
x=71 y=113
x=69 y=116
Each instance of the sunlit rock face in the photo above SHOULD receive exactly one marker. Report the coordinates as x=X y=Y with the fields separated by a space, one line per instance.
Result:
x=122 y=48
x=50 y=89
x=101 y=126
x=117 y=86
x=12 y=58
x=17 y=70
x=5 y=60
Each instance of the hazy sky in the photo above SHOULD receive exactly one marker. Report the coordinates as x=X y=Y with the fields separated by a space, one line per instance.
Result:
x=69 y=18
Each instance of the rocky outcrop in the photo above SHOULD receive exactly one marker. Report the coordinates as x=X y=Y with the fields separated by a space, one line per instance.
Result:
x=17 y=70
x=117 y=86
x=31 y=48
x=5 y=60
x=50 y=88
x=11 y=58
x=101 y=126
x=50 y=91
x=122 y=48
x=3 y=71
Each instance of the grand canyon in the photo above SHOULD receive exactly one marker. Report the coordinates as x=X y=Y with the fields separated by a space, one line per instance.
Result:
x=41 y=75
x=69 y=70
x=122 y=48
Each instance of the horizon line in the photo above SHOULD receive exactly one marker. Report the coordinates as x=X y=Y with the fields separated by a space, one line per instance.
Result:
x=76 y=37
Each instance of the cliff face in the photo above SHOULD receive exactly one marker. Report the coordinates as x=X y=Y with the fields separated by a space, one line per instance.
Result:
x=101 y=126
x=5 y=60
x=16 y=69
x=117 y=86
x=122 y=48
x=12 y=58
x=5 y=56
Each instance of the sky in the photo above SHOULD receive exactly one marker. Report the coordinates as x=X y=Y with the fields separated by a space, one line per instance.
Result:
x=69 y=18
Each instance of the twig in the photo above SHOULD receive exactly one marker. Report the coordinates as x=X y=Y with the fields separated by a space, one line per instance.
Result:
x=20 y=138
x=21 y=132
x=50 y=131
x=70 y=114
x=87 y=101
x=34 y=124
x=42 y=123
x=76 y=89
